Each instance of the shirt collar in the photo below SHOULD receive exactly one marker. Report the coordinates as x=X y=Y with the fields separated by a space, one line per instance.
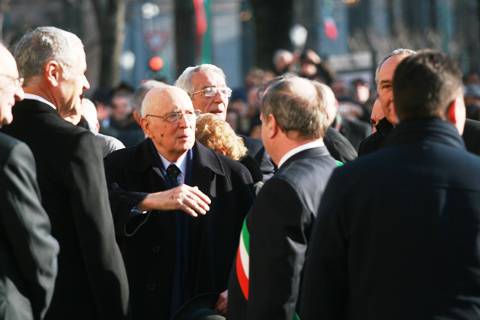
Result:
x=294 y=151
x=180 y=163
x=38 y=98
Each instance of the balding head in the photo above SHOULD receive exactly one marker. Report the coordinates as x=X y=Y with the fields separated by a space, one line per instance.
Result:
x=160 y=100
x=168 y=119
x=299 y=105
x=384 y=79
x=10 y=85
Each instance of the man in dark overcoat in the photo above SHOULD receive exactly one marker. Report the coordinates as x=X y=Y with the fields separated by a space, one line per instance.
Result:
x=91 y=281
x=403 y=243
x=178 y=208
x=265 y=283
x=28 y=252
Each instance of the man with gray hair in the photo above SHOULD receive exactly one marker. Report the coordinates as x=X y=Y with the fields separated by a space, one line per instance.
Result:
x=265 y=282
x=384 y=79
x=206 y=86
x=91 y=282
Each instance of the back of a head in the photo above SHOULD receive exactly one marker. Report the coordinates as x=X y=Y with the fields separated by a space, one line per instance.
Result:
x=184 y=81
x=425 y=84
x=89 y=113
x=39 y=46
x=141 y=91
x=297 y=105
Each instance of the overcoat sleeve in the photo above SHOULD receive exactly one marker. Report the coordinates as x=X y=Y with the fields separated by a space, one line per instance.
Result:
x=26 y=228
x=324 y=290
x=93 y=218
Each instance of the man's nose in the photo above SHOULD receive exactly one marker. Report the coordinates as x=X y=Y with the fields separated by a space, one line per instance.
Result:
x=183 y=121
x=19 y=94
x=86 y=84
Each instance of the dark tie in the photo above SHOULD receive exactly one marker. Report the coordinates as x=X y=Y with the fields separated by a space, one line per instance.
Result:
x=173 y=174
x=178 y=294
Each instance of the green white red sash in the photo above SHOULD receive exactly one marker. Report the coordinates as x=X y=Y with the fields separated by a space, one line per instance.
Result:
x=243 y=263
x=243 y=260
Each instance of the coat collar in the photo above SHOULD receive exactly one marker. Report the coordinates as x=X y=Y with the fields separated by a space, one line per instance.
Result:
x=308 y=153
x=203 y=157
x=30 y=105
x=425 y=130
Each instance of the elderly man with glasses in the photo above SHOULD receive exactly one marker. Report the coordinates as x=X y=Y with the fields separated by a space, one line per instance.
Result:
x=207 y=87
x=178 y=208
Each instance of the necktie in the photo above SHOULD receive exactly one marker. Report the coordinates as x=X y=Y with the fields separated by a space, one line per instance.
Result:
x=181 y=241
x=173 y=174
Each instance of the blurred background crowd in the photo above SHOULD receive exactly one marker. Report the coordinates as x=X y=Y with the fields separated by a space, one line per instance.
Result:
x=338 y=42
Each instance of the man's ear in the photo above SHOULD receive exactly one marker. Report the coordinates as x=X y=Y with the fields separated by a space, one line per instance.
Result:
x=452 y=112
x=145 y=126
x=456 y=113
x=52 y=72
x=271 y=125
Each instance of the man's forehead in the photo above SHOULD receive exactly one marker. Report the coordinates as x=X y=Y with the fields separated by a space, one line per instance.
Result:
x=206 y=78
x=389 y=66
x=174 y=100
x=7 y=63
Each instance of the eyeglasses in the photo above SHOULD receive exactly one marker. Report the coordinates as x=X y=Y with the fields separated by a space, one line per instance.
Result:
x=212 y=91
x=174 y=117
x=17 y=82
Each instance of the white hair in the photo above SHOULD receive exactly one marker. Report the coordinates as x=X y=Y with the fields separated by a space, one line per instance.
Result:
x=184 y=81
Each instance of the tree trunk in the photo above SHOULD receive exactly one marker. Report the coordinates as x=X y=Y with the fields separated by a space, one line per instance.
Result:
x=273 y=20
x=184 y=34
x=110 y=16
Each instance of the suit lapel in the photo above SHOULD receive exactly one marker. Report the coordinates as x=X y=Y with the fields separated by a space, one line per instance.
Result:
x=206 y=168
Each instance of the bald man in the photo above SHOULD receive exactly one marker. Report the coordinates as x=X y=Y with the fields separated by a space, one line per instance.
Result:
x=384 y=79
x=28 y=252
x=269 y=266
x=178 y=208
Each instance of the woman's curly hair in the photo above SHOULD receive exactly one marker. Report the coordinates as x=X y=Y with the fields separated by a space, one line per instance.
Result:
x=219 y=136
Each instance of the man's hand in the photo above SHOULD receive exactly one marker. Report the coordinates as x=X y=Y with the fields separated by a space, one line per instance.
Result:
x=188 y=199
x=222 y=302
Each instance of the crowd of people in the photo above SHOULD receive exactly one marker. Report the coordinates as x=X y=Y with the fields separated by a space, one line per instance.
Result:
x=159 y=203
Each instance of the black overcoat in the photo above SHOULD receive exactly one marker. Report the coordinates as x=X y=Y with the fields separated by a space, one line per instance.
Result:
x=91 y=281
x=397 y=232
x=28 y=252
x=278 y=228
x=148 y=241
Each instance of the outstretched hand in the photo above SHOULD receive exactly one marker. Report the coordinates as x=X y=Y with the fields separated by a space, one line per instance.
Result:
x=184 y=197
